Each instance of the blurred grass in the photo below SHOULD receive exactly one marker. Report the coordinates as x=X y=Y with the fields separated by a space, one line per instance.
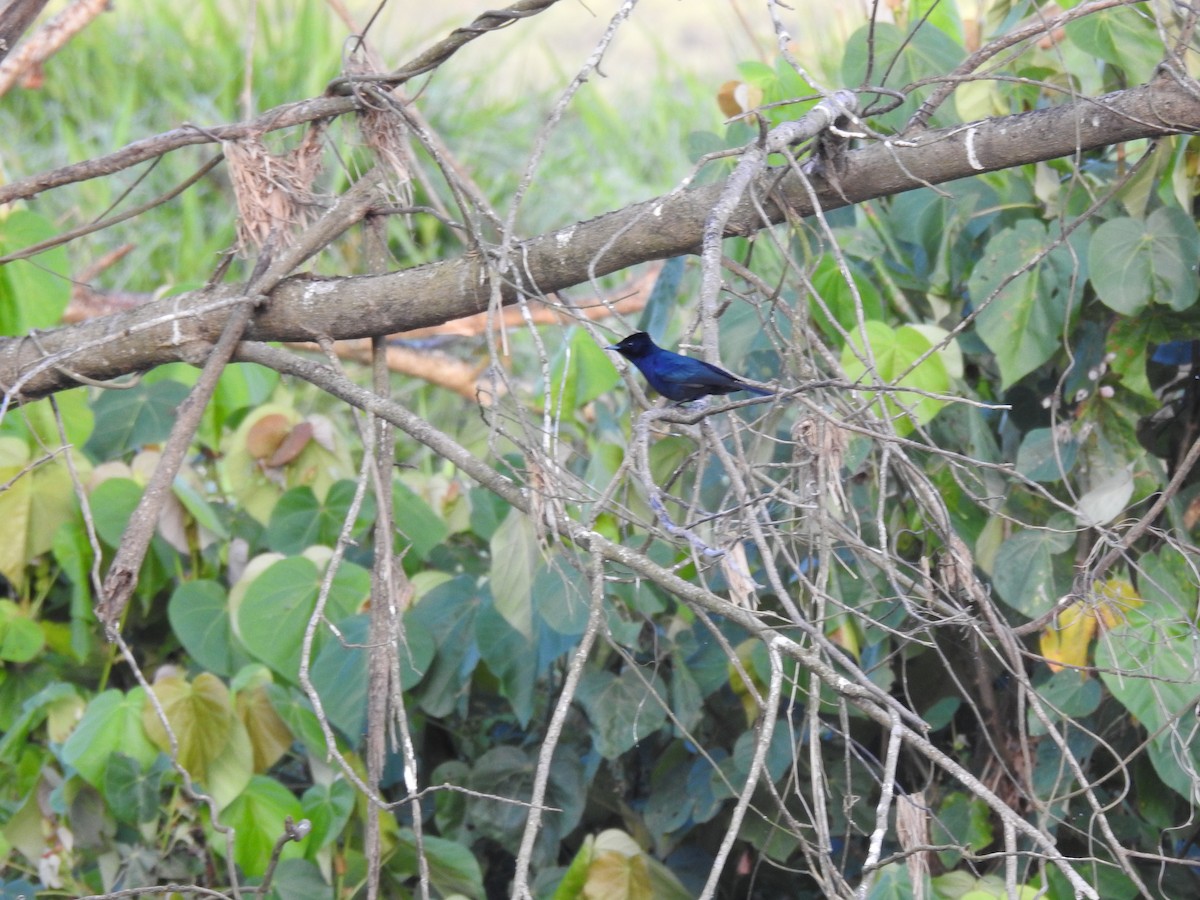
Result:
x=629 y=134
x=148 y=68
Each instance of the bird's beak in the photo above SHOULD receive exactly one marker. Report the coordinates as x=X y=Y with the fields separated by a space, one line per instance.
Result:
x=611 y=347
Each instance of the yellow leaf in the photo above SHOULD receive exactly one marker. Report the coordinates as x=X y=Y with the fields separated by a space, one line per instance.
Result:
x=1114 y=597
x=1065 y=643
x=15 y=502
x=614 y=876
x=845 y=635
x=269 y=736
x=737 y=97
x=200 y=715
x=53 y=502
x=737 y=683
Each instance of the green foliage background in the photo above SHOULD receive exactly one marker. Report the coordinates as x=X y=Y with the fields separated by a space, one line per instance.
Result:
x=917 y=290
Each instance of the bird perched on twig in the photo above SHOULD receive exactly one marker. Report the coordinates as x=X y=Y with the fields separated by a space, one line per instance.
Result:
x=679 y=378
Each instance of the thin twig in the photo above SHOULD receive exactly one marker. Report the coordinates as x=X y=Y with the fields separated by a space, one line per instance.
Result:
x=541 y=778
x=292 y=831
x=858 y=690
x=762 y=743
x=121 y=579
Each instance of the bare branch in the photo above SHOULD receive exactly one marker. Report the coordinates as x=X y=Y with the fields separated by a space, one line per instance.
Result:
x=47 y=40
x=303 y=308
x=15 y=20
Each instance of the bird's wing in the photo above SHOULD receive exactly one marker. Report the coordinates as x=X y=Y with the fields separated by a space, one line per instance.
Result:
x=685 y=370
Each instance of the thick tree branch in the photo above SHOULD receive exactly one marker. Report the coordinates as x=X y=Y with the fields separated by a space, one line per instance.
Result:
x=303 y=308
x=15 y=20
x=48 y=40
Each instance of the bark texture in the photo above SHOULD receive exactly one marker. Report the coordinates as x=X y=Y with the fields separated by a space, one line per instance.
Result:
x=301 y=308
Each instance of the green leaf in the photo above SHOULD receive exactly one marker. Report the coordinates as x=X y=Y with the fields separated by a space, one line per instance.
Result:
x=961 y=820
x=199 y=508
x=37 y=427
x=834 y=303
x=777 y=760
x=1106 y=497
x=294 y=708
x=113 y=502
x=1023 y=324
x=21 y=638
x=487 y=514
x=1128 y=344
x=1066 y=695
x=328 y=807
x=241 y=386
x=300 y=521
x=667 y=455
x=516 y=556
x=680 y=790
x=416 y=653
x=15 y=505
x=561 y=596
x=111 y=723
x=623 y=708
x=573 y=882
x=500 y=772
x=133 y=791
x=1166 y=582
x=73 y=552
x=687 y=702
x=508 y=772
x=129 y=419
x=295 y=522
x=1134 y=263
x=450 y=807
x=339 y=674
x=910 y=57
x=231 y=771
x=416 y=520
x=200 y=714
x=1150 y=666
x=298 y=879
x=34 y=292
x=663 y=301
x=1047 y=454
x=54 y=502
x=447 y=613
x=1123 y=37
x=453 y=869
x=1024 y=571
x=199 y=616
x=892 y=882
x=511 y=658
x=257 y=815
x=582 y=373
x=893 y=353
x=273 y=615
x=34 y=711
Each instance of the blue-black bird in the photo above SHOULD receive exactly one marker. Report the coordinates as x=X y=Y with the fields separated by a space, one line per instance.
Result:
x=679 y=378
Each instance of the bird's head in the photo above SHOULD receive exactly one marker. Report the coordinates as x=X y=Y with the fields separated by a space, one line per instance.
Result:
x=636 y=346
